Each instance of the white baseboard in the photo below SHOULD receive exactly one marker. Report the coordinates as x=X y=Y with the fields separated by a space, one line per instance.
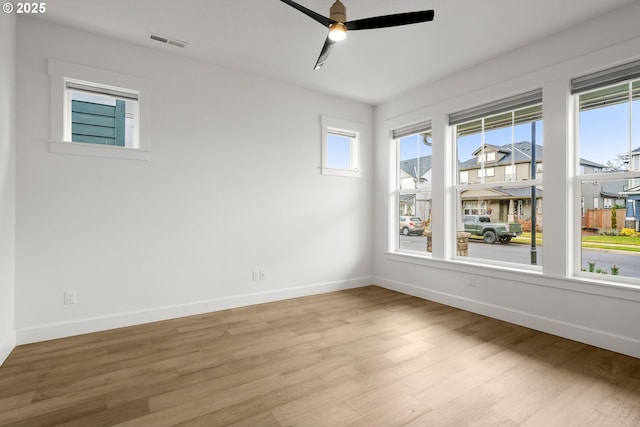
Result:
x=602 y=339
x=6 y=346
x=119 y=320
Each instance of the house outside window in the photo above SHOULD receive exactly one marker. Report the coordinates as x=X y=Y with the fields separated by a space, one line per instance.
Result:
x=608 y=132
x=495 y=143
x=98 y=115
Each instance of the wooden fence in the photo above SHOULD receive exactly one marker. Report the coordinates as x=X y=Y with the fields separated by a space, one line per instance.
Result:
x=601 y=219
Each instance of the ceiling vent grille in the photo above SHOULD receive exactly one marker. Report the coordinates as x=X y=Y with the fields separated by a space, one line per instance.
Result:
x=168 y=40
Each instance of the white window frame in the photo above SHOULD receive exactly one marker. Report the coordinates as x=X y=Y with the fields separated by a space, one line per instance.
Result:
x=396 y=134
x=465 y=180
x=353 y=130
x=61 y=73
x=514 y=104
x=599 y=80
x=487 y=157
x=486 y=172
x=510 y=173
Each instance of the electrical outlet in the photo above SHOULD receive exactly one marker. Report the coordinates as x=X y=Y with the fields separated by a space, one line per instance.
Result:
x=472 y=282
x=70 y=296
x=262 y=275
x=256 y=275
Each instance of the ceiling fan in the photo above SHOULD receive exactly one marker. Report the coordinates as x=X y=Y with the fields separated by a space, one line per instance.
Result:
x=338 y=25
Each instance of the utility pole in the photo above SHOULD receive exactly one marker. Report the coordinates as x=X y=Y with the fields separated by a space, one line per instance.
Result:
x=534 y=250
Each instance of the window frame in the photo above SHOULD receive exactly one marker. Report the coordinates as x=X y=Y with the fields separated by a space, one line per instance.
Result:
x=61 y=73
x=351 y=129
x=581 y=178
x=396 y=134
x=522 y=103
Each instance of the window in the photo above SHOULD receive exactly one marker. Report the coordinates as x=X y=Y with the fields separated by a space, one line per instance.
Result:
x=494 y=141
x=96 y=115
x=464 y=177
x=413 y=186
x=510 y=173
x=608 y=144
x=474 y=207
x=340 y=147
x=487 y=157
x=486 y=172
x=96 y=112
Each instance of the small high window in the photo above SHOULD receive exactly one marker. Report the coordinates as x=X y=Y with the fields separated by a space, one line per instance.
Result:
x=99 y=115
x=340 y=147
x=96 y=112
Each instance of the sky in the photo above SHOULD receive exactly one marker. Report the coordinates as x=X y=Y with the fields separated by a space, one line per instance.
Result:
x=411 y=146
x=604 y=134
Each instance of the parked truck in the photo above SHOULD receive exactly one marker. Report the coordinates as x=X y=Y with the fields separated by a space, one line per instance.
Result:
x=491 y=232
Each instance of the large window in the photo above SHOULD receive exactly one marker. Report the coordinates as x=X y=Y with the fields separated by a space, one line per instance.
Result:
x=499 y=146
x=413 y=186
x=608 y=185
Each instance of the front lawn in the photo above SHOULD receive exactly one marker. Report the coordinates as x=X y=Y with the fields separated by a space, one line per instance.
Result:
x=619 y=243
x=616 y=240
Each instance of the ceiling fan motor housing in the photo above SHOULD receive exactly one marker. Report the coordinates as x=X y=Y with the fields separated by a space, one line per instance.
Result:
x=338 y=12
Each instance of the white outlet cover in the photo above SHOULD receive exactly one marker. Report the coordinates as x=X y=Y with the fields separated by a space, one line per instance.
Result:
x=69 y=297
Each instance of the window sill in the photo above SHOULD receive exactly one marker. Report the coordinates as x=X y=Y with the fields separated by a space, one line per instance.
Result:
x=343 y=172
x=530 y=276
x=94 y=150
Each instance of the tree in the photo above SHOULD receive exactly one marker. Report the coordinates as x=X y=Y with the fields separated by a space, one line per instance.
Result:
x=614 y=218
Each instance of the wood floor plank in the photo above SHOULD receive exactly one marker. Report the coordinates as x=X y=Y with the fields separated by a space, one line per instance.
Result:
x=360 y=357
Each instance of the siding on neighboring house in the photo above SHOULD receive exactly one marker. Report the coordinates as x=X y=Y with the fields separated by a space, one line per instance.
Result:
x=98 y=123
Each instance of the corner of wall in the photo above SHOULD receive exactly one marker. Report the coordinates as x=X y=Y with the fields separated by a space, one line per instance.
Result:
x=7 y=346
x=7 y=184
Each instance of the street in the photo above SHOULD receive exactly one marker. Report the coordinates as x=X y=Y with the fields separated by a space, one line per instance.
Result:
x=629 y=263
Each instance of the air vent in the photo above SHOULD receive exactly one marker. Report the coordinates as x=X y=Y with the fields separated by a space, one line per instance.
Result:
x=168 y=40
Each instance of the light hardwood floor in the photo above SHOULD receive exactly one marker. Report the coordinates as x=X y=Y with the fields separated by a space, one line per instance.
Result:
x=362 y=357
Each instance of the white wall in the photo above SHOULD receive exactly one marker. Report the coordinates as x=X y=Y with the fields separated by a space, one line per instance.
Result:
x=233 y=185
x=7 y=183
x=604 y=315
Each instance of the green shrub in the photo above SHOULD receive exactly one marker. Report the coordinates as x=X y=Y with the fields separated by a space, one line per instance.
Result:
x=627 y=232
x=608 y=232
x=615 y=270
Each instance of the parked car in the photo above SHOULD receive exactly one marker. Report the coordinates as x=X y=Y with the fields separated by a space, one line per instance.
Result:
x=481 y=225
x=411 y=225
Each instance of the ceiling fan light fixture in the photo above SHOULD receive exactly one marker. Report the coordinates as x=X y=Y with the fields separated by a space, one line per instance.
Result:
x=337 y=31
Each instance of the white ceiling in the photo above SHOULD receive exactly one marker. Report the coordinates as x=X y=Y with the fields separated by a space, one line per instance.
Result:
x=271 y=39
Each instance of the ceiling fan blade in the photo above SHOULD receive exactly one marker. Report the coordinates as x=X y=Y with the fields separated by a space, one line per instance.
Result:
x=390 y=20
x=324 y=54
x=310 y=13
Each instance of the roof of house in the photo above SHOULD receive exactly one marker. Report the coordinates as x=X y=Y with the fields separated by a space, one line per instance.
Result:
x=410 y=166
x=585 y=162
x=520 y=153
x=519 y=192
